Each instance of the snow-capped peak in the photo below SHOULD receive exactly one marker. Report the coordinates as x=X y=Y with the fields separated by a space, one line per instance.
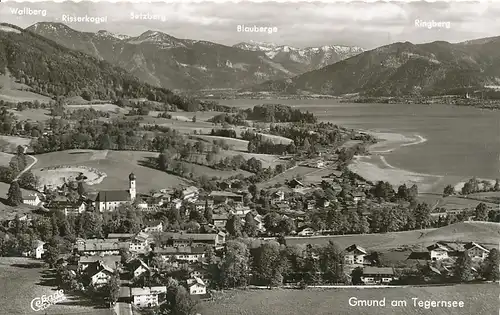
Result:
x=109 y=34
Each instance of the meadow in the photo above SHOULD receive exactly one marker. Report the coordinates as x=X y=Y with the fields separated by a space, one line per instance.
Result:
x=477 y=298
x=481 y=232
x=115 y=164
x=23 y=279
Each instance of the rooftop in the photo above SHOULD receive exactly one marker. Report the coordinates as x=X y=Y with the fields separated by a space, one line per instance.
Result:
x=378 y=271
x=147 y=290
x=113 y=195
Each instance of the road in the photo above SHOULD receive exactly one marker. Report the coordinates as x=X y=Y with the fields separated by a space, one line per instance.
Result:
x=27 y=168
x=122 y=308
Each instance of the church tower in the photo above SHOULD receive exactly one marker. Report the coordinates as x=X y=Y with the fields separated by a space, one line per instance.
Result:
x=131 y=185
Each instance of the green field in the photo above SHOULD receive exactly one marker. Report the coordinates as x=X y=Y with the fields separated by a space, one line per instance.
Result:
x=116 y=164
x=10 y=143
x=477 y=298
x=21 y=280
x=481 y=232
x=295 y=172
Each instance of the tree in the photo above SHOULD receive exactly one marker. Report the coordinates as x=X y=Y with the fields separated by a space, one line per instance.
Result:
x=14 y=195
x=271 y=222
x=491 y=265
x=233 y=226
x=286 y=226
x=183 y=303
x=81 y=188
x=331 y=263
x=356 y=275
x=463 y=267
x=271 y=263
x=51 y=254
x=481 y=212
x=124 y=255
x=448 y=191
x=208 y=213
x=233 y=269
x=113 y=288
x=497 y=185
x=28 y=180
x=422 y=214
x=250 y=227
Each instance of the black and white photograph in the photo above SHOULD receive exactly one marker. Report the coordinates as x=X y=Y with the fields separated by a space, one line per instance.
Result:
x=249 y=158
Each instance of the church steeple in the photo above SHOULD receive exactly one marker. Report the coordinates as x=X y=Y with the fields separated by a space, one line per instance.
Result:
x=131 y=186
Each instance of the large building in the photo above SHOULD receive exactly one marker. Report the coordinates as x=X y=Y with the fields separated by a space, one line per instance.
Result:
x=109 y=200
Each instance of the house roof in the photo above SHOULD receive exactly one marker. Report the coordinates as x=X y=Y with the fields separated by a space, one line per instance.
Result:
x=110 y=260
x=141 y=236
x=98 y=245
x=98 y=266
x=354 y=247
x=38 y=243
x=147 y=290
x=113 y=195
x=180 y=250
x=378 y=271
x=31 y=197
x=475 y=245
x=220 y=217
x=439 y=246
x=120 y=235
x=196 y=280
x=224 y=194
x=420 y=256
x=189 y=236
x=189 y=190
x=136 y=263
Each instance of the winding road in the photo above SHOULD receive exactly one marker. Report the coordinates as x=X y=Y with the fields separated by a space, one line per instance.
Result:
x=27 y=168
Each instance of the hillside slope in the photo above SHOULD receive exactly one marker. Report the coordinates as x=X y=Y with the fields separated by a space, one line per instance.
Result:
x=403 y=69
x=53 y=70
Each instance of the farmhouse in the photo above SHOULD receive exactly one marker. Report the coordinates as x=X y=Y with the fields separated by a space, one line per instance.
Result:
x=186 y=239
x=196 y=286
x=37 y=250
x=147 y=297
x=225 y=196
x=32 y=200
x=85 y=261
x=476 y=251
x=99 y=273
x=378 y=275
x=101 y=247
x=185 y=254
x=439 y=251
x=190 y=194
x=220 y=220
x=154 y=229
x=139 y=243
x=109 y=200
x=355 y=255
x=137 y=267
x=67 y=206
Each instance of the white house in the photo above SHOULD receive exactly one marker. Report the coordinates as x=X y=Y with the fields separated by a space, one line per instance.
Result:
x=176 y=203
x=109 y=200
x=355 y=255
x=140 y=243
x=185 y=254
x=439 y=251
x=37 y=250
x=155 y=229
x=138 y=267
x=277 y=196
x=190 y=194
x=476 y=251
x=196 y=286
x=32 y=200
x=378 y=275
x=306 y=232
x=147 y=297
x=99 y=273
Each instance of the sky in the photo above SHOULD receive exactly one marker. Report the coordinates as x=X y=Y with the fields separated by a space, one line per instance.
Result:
x=367 y=25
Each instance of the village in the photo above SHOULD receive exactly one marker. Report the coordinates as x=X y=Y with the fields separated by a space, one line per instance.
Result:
x=136 y=263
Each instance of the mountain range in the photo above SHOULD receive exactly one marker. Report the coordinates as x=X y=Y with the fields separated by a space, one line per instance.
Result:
x=163 y=60
x=403 y=69
x=302 y=59
x=50 y=69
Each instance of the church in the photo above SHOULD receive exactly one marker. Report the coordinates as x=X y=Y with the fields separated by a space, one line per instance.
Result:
x=109 y=200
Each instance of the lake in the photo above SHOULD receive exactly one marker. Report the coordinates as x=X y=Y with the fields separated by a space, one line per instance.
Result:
x=461 y=141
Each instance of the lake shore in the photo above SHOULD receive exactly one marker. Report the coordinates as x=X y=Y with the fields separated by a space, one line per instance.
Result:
x=375 y=167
